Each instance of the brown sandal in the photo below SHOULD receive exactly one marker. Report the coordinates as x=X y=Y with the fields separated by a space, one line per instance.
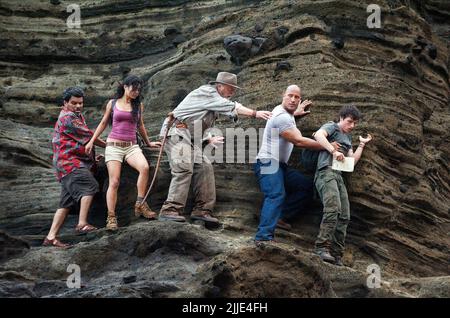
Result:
x=55 y=242
x=86 y=228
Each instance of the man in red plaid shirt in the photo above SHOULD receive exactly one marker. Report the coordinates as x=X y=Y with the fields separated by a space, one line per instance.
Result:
x=73 y=166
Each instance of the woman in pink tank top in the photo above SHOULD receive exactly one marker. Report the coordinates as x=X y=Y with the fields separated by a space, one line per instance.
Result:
x=124 y=113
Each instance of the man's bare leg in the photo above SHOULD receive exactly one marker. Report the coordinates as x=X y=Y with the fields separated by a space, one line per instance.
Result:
x=58 y=221
x=85 y=205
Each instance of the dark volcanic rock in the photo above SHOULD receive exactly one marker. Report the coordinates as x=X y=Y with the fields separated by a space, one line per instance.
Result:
x=171 y=31
x=11 y=247
x=283 y=66
x=338 y=43
x=239 y=47
x=421 y=41
x=129 y=279
x=432 y=51
x=259 y=28
x=190 y=261
x=179 y=39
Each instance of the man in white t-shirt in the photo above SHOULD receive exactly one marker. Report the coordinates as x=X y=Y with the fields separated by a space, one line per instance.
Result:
x=286 y=190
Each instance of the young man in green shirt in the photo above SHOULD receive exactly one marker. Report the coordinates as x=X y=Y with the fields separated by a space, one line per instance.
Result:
x=330 y=185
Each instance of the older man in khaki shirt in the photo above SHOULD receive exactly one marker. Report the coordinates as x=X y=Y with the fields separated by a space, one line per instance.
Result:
x=198 y=110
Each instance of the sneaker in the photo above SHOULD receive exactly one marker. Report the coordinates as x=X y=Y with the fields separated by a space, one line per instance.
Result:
x=338 y=261
x=171 y=216
x=204 y=216
x=283 y=225
x=142 y=209
x=325 y=255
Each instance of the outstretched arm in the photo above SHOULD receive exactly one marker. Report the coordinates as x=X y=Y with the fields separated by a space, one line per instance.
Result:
x=263 y=114
x=300 y=111
x=358 y=153
x=294 y=136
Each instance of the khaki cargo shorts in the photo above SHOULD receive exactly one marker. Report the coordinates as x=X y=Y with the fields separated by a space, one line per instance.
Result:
x=119 y=153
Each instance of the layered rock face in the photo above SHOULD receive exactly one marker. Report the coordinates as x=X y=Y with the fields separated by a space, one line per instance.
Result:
x=397 y=75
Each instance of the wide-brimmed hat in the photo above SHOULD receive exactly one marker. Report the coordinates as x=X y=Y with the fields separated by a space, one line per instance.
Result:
x=226 y=79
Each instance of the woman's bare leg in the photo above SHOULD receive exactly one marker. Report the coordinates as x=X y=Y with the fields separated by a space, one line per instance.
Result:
x=114 y=168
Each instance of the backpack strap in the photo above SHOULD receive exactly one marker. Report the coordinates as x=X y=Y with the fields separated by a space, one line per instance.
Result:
x=113 y=105
x=138 y=117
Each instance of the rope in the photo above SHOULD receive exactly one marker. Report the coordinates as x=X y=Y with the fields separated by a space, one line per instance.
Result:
x=158 y=162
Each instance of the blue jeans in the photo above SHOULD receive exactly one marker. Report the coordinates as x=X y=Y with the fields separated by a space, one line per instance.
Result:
x=286 y=192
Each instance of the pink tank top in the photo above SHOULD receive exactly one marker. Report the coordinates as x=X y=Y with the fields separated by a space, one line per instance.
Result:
x=123 y=125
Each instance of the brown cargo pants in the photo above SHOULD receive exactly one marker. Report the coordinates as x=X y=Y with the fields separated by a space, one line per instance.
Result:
x=189 y=166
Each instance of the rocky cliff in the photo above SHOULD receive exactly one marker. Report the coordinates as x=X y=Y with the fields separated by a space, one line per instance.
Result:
x=398 y=75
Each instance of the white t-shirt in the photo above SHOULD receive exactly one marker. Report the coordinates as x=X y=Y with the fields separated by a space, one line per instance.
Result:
x=273 y=145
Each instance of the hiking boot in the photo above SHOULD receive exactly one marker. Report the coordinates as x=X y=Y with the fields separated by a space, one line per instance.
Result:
x=203 y=216
x=142 y=208
x=171 y=216
x=283 y=225
x=111 y=222
x=325 y=255
x=338 y=261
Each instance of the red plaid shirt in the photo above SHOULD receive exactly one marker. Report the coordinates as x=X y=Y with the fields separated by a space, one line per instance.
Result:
x=70 y=135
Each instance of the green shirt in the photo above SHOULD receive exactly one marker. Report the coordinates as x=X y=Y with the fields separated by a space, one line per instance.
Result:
x=334 y=134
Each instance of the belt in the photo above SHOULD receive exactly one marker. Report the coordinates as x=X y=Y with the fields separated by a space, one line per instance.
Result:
x=122 y=144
